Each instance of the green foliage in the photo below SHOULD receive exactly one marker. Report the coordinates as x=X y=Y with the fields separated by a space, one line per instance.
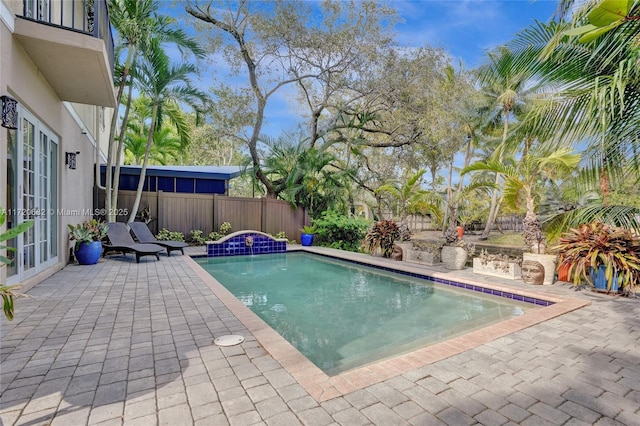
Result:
x=307 y=229
x=608 y=15
x=410 y=197
x=382 y=235
x=225 y=229
x=306 y=176
x=166 y=235
x=11 y=233
x=596 y=244
x=9 y=293
x=336 y=230
x=281 y=235
x=196 y=237
x=86 y=232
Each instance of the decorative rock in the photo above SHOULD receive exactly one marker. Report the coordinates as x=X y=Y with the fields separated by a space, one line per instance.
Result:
x=508 y=270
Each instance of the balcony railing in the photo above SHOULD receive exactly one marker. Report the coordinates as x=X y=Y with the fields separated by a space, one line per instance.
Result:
x=89 y=17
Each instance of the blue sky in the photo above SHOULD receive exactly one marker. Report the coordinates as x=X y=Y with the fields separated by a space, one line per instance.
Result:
x=467 y=28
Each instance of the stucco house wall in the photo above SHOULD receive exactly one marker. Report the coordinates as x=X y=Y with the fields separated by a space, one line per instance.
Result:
x=77 y=128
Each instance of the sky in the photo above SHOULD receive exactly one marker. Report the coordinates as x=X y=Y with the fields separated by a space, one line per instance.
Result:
x=466 y=29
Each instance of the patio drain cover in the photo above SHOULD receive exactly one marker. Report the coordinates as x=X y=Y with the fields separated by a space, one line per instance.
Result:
x=230 y=340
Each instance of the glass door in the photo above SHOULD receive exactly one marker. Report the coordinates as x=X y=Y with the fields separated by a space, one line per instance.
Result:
x=34 y=182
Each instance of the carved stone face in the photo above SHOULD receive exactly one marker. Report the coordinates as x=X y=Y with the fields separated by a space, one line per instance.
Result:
x=532 y=272
x=396 y=254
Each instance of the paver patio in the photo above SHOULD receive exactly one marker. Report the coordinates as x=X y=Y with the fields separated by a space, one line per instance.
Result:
x=126 y=343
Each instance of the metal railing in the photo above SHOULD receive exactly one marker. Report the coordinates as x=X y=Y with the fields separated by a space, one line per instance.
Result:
x=89 y=17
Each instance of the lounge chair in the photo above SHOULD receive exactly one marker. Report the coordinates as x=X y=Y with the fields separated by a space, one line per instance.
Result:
x=120 y=240
x=141 y=232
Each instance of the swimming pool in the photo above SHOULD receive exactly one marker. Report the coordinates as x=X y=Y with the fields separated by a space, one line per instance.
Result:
x=341 y=315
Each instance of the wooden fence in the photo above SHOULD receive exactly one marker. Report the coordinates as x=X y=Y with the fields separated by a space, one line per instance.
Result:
x=503 y=223
x=206 y=212
x=415 y=222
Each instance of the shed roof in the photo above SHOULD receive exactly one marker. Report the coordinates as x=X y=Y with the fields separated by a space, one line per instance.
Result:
x=203 y=172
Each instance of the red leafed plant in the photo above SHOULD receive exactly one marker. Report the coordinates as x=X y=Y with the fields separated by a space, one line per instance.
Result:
x=597 y=244
x=382 y=235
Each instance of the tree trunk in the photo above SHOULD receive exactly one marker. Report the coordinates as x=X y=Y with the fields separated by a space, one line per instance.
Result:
x=118 y=160
x=493 y=210
x=532 y=231
x=109 y=207
x=467 y=160
x=143 y=171
x=449 y=220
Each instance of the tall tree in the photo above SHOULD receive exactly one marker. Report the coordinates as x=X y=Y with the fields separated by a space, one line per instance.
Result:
x=137 y=25
x=505 y=82
x=166 y=86
x=279 y=46
x=525 y=180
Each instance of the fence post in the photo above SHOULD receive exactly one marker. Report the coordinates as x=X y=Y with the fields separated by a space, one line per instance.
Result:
x=159 y=209
x=216 y=211
x=263 y=214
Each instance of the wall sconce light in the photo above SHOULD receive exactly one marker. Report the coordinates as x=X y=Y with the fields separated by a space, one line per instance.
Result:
x=9 y=112
x=70 y=159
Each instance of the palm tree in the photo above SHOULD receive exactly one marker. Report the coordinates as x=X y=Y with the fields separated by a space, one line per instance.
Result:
x=169 y=144
x=165 y=86
x=166 y=148
x=591 y=95
x=137 y=26
x=506 y=84
x=307 y=177
x=525 y=181
x=410 y=196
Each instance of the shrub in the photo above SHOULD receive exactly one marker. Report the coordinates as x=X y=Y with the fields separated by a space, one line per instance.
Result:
x=336 y=230
x=382 y=235
x=166 y=235
x=196 y=237
x=225 y=229
x=9 y=293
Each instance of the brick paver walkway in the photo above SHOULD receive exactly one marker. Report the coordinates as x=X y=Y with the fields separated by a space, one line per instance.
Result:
x=125 y=343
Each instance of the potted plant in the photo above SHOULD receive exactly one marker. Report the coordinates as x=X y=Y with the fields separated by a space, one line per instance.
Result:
x=605 y=256
x=382 y=236
x=497 y=265
x=8 y=292
x=455 y=251
x=88 y=238
x=306 y=239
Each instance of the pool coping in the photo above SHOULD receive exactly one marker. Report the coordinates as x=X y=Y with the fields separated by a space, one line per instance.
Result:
x=323 y=387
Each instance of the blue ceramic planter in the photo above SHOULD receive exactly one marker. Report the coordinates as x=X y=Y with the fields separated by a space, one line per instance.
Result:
x=600 y=281
x=88 y=253
x=306 y=239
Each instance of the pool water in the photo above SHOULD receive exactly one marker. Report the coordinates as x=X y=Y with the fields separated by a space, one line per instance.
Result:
x=342 y=315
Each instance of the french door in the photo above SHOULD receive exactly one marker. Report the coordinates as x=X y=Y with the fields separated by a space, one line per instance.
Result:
x=35 y=183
